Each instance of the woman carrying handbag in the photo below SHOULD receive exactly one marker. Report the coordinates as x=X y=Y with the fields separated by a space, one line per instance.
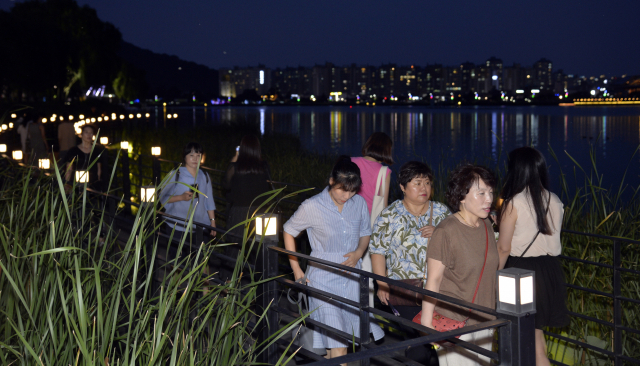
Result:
x=399 y=244
x=376 y=179
x=462 y=260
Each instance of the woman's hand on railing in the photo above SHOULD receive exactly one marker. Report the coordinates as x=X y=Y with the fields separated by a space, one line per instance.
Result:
x=383 y=292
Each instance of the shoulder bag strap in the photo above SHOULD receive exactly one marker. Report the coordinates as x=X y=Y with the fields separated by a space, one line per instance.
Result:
x=424 y=275
x=381 y=174
x=486 y=250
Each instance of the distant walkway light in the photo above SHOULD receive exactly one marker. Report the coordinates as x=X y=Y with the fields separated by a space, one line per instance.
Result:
x=124 y=145
x=44 y=163
x=17 y=154
x=155 y=151
x=3 y=148
x=104 y=140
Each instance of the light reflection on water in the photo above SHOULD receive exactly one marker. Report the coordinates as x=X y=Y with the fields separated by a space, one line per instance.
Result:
x=449 y=136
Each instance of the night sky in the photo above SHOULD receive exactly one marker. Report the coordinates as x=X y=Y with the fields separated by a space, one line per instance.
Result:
x=586 y=37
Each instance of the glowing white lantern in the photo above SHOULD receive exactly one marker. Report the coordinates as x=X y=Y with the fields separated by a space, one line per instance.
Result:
x=155 y=151
x=267 y=225
x=516 y=293
x=147 y=193
x=44 y=163
x=82 y=176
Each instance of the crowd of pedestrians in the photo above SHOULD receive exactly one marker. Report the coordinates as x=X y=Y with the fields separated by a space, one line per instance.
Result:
x=445 y=247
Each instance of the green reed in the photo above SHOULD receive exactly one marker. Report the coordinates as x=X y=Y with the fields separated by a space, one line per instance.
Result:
x=75 y=290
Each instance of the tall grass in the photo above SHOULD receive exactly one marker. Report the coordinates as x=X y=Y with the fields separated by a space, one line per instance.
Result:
x=591 y=207
x=77 y=291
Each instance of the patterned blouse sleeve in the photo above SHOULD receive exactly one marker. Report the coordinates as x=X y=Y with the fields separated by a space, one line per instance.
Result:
x=380 y=238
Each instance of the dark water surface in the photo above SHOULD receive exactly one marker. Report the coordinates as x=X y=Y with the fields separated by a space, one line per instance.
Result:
x=447 y=136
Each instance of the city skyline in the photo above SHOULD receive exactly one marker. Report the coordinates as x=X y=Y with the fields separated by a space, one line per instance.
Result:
x=489 y=80
x=591 y=39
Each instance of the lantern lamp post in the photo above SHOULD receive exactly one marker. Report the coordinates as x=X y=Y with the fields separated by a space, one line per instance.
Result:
x=517 y=303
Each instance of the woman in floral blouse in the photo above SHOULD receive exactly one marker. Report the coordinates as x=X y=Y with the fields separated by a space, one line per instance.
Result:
x=399 y=242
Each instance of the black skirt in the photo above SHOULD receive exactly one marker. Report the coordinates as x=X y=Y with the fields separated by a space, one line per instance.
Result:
x=551 y=291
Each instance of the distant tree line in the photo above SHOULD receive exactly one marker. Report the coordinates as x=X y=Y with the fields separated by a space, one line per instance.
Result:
x=57 y=49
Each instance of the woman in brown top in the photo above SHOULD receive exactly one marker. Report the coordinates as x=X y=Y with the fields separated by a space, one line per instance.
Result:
x=456 y=257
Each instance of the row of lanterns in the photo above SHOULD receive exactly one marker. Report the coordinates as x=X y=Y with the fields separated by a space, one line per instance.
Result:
x=114 y=116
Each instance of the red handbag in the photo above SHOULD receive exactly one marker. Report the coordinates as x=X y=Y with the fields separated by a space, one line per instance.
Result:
x=443 y=324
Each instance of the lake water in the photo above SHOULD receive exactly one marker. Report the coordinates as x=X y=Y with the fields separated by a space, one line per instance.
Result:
x=449 y=136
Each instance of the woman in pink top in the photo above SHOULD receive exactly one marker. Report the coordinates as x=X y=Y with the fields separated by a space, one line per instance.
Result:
x=376 y=150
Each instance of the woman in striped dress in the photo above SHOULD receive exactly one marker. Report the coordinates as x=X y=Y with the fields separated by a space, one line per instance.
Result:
x=338 y=225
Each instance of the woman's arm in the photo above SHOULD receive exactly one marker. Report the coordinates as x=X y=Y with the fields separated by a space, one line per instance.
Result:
x=290 y=245
x=226 y=181
x=507 y=228
x=379 y=267
x=354 y=257
x=212 y=218
x=435 y=271
x=186 y=196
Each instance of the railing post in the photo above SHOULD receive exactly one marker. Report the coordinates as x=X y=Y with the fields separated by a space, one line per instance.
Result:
x=517 y=340
x=126 y=179
x=617 y=307
x=365 y=318
x=266 y=297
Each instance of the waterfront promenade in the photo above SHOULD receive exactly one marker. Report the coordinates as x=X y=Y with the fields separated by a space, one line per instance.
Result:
x=620 y=271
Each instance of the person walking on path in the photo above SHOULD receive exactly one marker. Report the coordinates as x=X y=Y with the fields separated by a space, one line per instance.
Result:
x=376 y=179
x=462 y=262
x=66 y=137
x=37 y=140
x=530 y=225
x=246 y=178
x=337 y=222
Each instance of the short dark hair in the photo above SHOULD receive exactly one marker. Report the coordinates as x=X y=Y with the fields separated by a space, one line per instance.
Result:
x=378 y=146
x=92 y=127
x=191 y=146
x=461 y=180
x=346 y=175
x=412 y=169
